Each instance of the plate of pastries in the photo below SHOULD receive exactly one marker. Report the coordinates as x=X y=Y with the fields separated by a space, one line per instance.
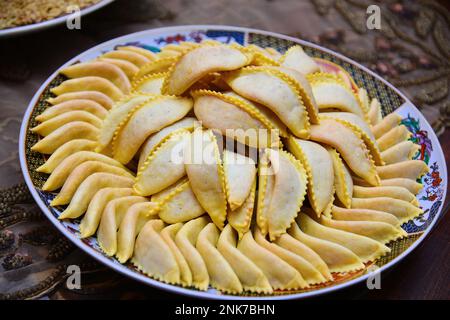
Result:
x=227 y=162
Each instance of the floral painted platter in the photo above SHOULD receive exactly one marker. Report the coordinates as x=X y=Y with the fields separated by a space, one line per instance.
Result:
x=9 y=32
x=431 y=197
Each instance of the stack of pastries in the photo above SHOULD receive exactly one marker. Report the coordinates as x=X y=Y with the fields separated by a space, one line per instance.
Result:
x=228 y=166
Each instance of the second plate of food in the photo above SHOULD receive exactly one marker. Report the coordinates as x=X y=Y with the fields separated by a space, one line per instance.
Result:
x=20 y=17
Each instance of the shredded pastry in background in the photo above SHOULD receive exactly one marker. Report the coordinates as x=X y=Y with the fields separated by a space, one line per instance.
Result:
x=15 y=13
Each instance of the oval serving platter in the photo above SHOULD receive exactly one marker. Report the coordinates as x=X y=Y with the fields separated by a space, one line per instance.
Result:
x=431 y=197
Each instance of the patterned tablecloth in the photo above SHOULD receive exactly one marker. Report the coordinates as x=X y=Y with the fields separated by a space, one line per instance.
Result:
x=412 y=50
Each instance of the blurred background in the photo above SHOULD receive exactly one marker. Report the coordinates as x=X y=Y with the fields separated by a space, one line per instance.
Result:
x=412 y=51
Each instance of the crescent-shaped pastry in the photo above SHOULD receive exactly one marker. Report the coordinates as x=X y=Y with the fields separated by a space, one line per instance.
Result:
x=277 y=91
x=364 y=99
x=333 y=71
x=363 y=215
x=374 y=114
x=156 y=139
x=151 y=83
x=251 y=276
x=161 y=196
x=221 y=275
x=237 y=118
x=111 y=218
x=403 y=210
x=330 y=92
x=380 y=231
x=71 y=179
x=69 y=131
x=164 y=166
x=240 y=173
x=65 y=168
x=89 y=84
x=47 y=127
x=95 y=96
x=403 y=151
x=338 y=258
x=353 y=119
x=241 y=218
x=91 y=220
x=144 y=52
x=78 y=175
x=205 y=172
x=279 y=273
x=178 y=203
x=411 y=169
x=135 y=58
x=288 y=193
x=161 y=65
x=291 y=244
x=185 y=239
x=359 y=125
x=394 y=136
x=99 y=69
x=126 y=66
x=73 y=105
x=134 y=219
x=258 y=111
x=158 y=113
x=200 y=61
x=350 y=146
x=153 y=256
x=295 y=58
x=319 y=168
x=413 y=186
x=394 y=192
x=64 y=151
x=389 y=122
x=260 y=56
x=343 y=183
x=168 y=234
x=118 y=115
x=87 y=189
x=258 y=49
x=305 y=91
x=187 y=44
x=273 y=53
x=266 y=183
x=170 y=52
x=365 y=248
x=182 y=46
x=308 y=273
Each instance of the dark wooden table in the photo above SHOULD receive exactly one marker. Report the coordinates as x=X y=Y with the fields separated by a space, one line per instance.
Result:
x=28 y=60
